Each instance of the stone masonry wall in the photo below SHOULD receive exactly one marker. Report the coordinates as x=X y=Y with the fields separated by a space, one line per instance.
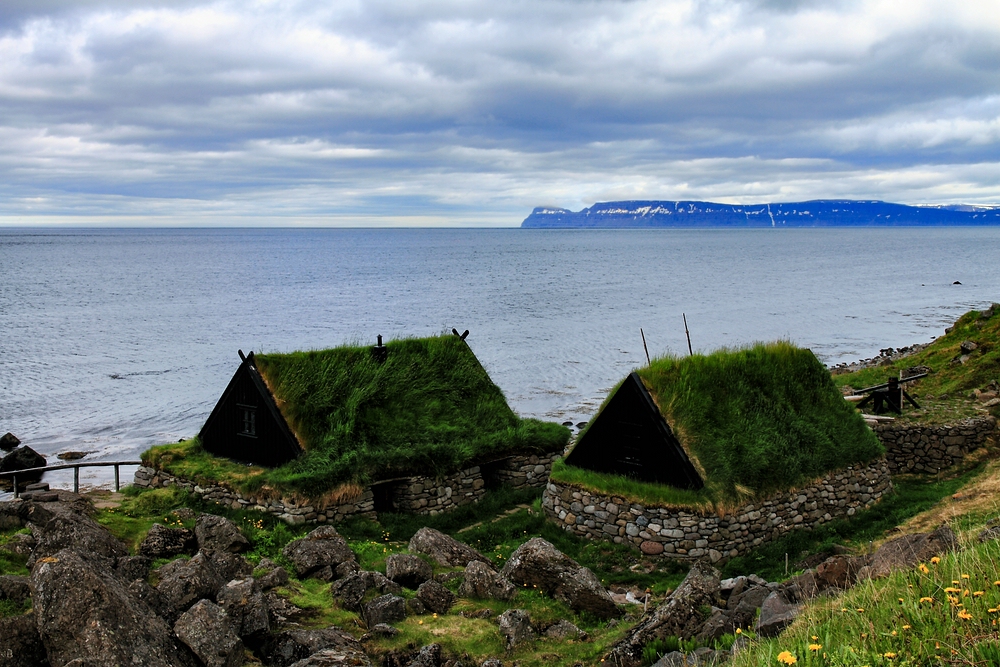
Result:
x=427 y=495
x=418 y=495
x=677 y=533
x=914 y=448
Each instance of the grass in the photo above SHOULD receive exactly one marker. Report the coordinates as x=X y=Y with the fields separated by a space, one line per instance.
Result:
x=943 y=395
x=743 y=414
x=429 y=409
x=939 y=613
x=633 y=490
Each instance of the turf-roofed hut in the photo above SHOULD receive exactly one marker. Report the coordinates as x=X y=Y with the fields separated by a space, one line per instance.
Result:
x=713 y=433
x=356 y=415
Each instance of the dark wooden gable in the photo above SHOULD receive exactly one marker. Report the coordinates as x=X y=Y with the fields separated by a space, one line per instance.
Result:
x=246 y=424
x=630 y=437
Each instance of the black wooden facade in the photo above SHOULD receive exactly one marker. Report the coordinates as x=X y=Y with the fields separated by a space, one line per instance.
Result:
x=246 y=424
x=630 y=437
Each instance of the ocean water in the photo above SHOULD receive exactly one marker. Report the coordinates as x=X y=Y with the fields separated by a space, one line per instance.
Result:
x=113 y=340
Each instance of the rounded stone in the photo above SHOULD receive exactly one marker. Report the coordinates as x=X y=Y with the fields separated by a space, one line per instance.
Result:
x=651 y=548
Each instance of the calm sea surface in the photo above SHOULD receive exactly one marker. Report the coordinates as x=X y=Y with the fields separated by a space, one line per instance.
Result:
x=113 y=340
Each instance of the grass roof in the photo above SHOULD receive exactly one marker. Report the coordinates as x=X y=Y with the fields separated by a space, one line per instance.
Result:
x=429 y=409
x=757 y=420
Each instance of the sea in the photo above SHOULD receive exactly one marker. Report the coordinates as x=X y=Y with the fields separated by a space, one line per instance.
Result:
x=114 y=340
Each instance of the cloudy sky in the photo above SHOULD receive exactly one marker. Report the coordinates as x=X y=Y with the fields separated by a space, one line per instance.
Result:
x=463 y=113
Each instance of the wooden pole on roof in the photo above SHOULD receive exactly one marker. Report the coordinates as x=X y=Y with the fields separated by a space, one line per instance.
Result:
x=688 y=334
x=644 y=345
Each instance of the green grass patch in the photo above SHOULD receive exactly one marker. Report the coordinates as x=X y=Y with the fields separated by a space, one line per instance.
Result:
x=11 y=608
x=757 y=420
x=632 y=490
x=935 y=614
x=429 y=409
x=943 y=395
x=912 y=495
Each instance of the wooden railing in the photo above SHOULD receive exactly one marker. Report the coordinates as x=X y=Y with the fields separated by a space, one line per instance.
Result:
x=76 y=471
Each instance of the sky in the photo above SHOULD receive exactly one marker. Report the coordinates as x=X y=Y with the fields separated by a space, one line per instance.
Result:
x=447 y=113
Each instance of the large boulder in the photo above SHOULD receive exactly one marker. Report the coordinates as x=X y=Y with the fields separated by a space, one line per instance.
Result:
x=21 y=458
x=907 y=551
x=164 y=542
x=407 y=570
x=9 y=441
x=482 y=582
x=350 y=591
x=319 y=553
x=335 y=657
x=291 y=646
x=538 y=564
x=217 y=533
x=839 y=572
x=435 y=597
x=679 y=616
x=184 y=582
x=777 y=612
x=68 y=525
x=20 y=643
x=515 y=627
x=384 y=609
x=206 y=630
x=84 y=612
x=15 y=588
x=427 y=656
x=445 y=550
x=228 y=565
x=246 y=607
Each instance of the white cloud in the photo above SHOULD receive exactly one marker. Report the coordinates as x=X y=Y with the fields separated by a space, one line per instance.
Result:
x=453 y=110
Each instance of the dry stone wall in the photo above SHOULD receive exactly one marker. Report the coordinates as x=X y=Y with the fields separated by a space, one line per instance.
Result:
x=417 y=495
x=927 y=449
x=685 y=534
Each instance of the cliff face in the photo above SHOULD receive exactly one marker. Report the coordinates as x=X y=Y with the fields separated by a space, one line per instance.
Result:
x=819 y=213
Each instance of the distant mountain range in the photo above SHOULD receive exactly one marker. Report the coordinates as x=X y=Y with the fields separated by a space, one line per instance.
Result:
x=817 y=213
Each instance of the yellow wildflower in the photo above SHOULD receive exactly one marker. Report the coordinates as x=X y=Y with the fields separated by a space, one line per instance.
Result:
x=739 y=631
x=906 y=627
x=952 y=590
x=814 y=638
x=860 y=610
x=924 y=568
x=926 y=600
x=965 y=576
x=900 y=600
x=815 y=647
x=935 y=560
x=893 y=633
x=889 y=654
x=786 y=658
x=964 y=615
x=978 y=594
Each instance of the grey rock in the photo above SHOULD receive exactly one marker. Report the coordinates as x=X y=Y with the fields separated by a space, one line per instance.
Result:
x=246 y=607
x=407 y=570
x=384 y=609
x=381 y=583
x=445 y=550
x=427 y=656
x=229 y=565
x=349 y=591
x=206 y=630
x=20 y=544
x=380 y=630
x=322 y=548
x=22 y=458
x=563 y=629
x=164 y=542
x=335 y=657
x=967 y=347
x=130 y=568
x=515 y=626
x=274 y=578
x=776 y=614
x=491 y=662
x=8 y=441
x=69 y=526
x=435 y=597
x=907 y=551
x=184 y=582
x=96 y=619
x=482 y=582
x=291 y=646
x=21 y=644
x=839 y=572
x=217 y=533
x=15 y=588
x=678 y=616
x=538 y=564
x=415 y=607
x=988 y=534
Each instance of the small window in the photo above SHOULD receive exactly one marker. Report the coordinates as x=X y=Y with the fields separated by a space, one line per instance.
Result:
x=249 y=422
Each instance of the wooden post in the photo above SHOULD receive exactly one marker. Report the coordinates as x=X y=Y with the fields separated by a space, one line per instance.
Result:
x=644 y=345
x=688 y=334
x=15 y=486
x=116 y=478
x=76 y=479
